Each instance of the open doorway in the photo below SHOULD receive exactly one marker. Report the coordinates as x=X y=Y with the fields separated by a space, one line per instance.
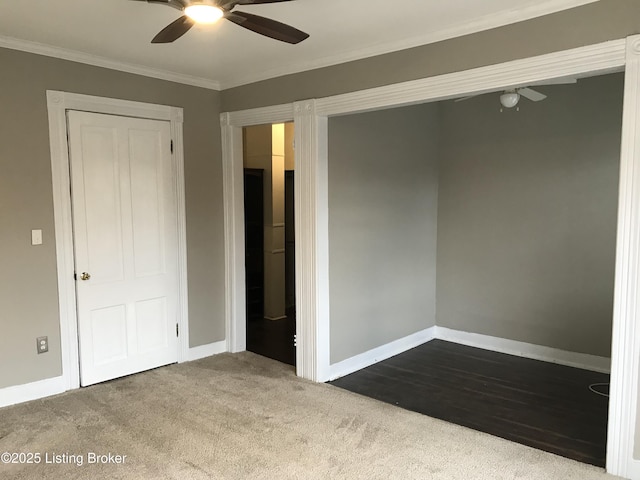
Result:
x=524 y=260
x=270 y=241
x=315 y=361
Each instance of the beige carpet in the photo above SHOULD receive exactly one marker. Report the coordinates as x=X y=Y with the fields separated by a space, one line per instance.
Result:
x=241 y=416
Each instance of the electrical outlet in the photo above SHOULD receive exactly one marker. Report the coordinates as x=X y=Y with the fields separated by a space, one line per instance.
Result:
x=43 y=344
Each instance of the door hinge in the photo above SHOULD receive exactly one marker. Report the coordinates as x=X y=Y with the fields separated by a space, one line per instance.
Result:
x=171 y=146
x=177 y=330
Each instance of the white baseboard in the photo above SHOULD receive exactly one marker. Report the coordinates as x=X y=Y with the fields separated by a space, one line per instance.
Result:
x=633 y=469
x=32 y=391
x=53 y=386
x=528 y=350
x=378 y=354
x=486 y=342
x=196 y=353
x=276 y=318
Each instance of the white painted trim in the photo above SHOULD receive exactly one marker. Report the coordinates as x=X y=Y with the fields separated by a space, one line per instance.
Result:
x=233 y=202
x=494 y=20
x=486 y=342
x=312 y=138
x=177 y=121
x=261 y=116
x=88 y=59
x=600 y=58
x=378 y=354
x=311 y=201
x=53 y=386
x=233 y=187
x=32 y=391
x=623 y=402
x=633 y=469
x=64 y=239
x=57 y=104
x=312 y=235
x=203 y=351
x=527 y=350
x=113 y=106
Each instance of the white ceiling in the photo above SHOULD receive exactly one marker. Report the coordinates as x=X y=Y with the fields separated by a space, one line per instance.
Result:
x=117 y=34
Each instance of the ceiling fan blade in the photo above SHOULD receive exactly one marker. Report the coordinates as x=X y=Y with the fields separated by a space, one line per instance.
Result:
x=174 y=30
x=531 y=94
x=267 y=27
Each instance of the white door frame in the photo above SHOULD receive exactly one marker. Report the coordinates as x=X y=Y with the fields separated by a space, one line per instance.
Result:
x=311 y=235
x=57 y=104
x=311 y=201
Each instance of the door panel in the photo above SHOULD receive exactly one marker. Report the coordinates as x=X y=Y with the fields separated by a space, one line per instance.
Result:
x=99 y=207
x=151 y=320
x=147 y=193
x=125 y=237
x=108 y=334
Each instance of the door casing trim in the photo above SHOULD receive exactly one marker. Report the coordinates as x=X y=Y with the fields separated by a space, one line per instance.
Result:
x=312 y=272
x=58 y=103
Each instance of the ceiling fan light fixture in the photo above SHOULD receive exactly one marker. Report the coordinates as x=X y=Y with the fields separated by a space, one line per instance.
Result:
x=509 y=99
x=203 y=13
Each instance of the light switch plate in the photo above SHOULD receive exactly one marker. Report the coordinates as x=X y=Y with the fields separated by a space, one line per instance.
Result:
x=36 y=237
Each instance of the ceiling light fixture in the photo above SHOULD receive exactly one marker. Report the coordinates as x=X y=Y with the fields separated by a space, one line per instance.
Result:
x=204 y=13
x=509 y=99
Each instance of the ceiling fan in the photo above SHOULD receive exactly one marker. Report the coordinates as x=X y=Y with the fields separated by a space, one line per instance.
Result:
x=511 y=97
x=210 y=11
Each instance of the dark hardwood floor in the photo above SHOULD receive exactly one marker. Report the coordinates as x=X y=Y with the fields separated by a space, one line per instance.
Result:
x=273 y=338
x=540 y=404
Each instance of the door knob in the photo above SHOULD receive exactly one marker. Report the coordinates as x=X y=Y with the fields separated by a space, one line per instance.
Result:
x=85 y=276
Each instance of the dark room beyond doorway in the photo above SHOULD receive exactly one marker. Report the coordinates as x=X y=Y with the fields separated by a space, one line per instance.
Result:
x=270 y=241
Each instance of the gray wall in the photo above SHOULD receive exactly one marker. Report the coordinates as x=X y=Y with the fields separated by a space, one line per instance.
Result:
x=25 y=192
x=527 y=216
x=526 y=219
x=382 y=227
x=585 y=25
x=28 y=278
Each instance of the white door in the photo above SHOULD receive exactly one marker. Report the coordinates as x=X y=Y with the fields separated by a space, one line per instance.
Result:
x=125 y=237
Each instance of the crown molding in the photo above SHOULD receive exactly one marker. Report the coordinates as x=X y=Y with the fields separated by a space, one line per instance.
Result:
x=80 y=57
x=487 y=22
x=506 y=17
x=606 y=57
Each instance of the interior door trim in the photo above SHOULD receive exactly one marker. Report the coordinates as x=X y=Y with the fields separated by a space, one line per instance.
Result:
x=58 y=103
x=311 y=116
